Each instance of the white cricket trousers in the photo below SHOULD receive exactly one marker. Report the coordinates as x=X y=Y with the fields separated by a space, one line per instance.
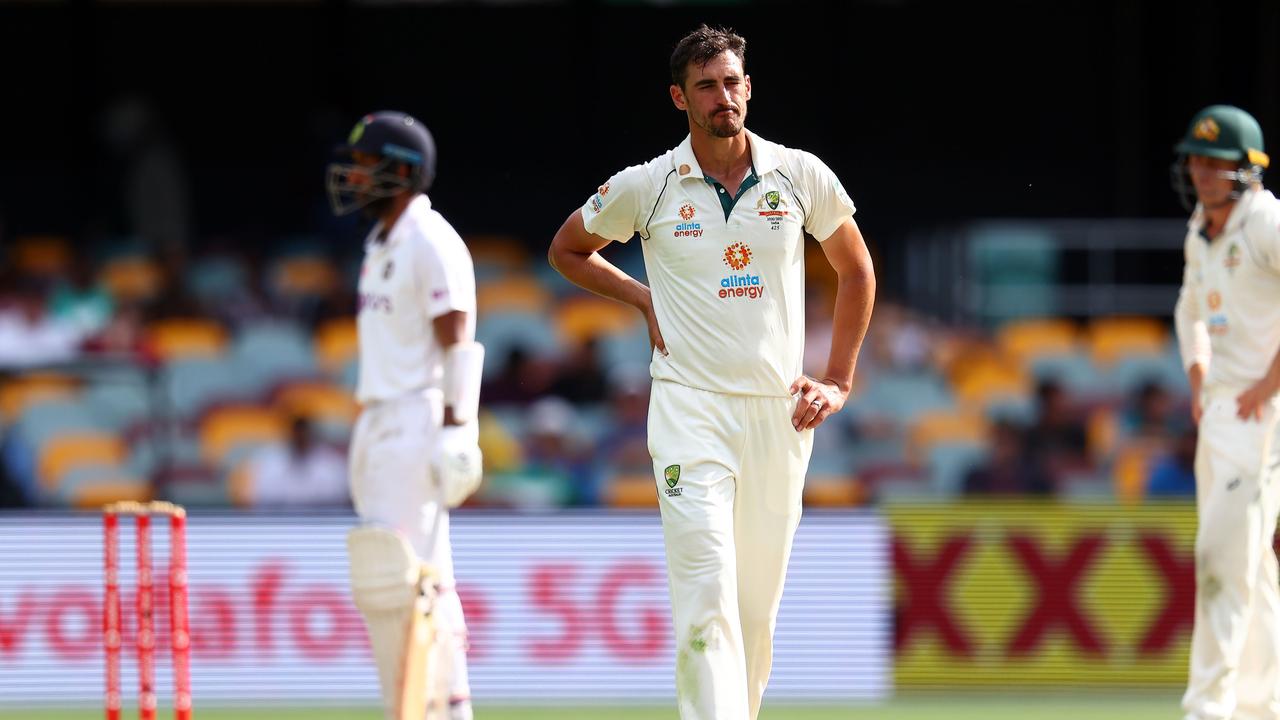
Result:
x=1235 y=666
x=391 y=486
x=730 y=474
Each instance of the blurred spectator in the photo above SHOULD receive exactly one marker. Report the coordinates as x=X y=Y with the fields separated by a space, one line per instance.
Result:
x=625 y=447
x=1007 y=471
x=79 y=303
x=1057 y=442
x=304 y=472
x=337 y=304
x=1151 y=416
x=552 y=455
x=149 y=183
x=28 y=335
x=249 y=302
x=897 y=341
x=817 y=329
x=522 y=380
x=12 y=494
x=122 y=335
x=580 y=379
x=1174 y=474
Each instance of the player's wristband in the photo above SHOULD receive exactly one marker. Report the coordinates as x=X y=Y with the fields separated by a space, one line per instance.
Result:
x=463 y=367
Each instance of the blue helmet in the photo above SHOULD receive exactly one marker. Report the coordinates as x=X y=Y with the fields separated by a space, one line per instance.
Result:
x=404 y=155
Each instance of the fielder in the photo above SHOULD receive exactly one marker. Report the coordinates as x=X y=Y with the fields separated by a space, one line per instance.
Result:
x=414 y=450
x=1228 y=323
x=722 y=219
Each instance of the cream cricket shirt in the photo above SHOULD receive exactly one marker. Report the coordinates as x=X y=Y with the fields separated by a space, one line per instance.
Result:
x=421 y=271
x=1228 y=312
x=727 y=274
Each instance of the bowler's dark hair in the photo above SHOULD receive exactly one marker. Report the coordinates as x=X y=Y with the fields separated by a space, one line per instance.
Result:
x=703 y=45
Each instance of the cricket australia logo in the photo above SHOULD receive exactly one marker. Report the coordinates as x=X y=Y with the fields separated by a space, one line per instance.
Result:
x=1233 y=258
x=772 y=207
x=672 y=476
x=1207 y=129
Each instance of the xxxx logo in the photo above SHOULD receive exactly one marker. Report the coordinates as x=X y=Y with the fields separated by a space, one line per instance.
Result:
x=687 y=212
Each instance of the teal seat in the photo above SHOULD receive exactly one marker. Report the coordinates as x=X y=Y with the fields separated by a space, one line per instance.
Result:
x=500 y=332
x=269 y=353
x=192 y=385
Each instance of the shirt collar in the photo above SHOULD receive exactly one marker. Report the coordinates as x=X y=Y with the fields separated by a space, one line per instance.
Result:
x=764 y=157
x=418 y=204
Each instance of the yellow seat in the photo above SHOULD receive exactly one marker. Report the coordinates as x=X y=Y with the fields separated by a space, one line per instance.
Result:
x=103 y=492
x=186 y=338
x=586 y=317
x=1111 y=339
x=501 y=251
x=230 y=427
x=501 y=449
x=317 y=400
x=1027 y=340
x=958 y=357
x=63 y=453
x=514 y=293
x=42 y=255
x=937 y=427
x=834 y=492
x=304 y=275
x=131 y=278
x=980 y=383
x=632 y=491
x=28 y=390
x=336 y=343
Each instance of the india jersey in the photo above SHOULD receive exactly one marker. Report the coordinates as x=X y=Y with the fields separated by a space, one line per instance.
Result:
x=1228 y=312
x=727 y=274
x=421 y=271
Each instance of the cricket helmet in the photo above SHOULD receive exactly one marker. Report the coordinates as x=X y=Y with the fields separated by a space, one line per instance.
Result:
x=1223 y=132
x=404 y=159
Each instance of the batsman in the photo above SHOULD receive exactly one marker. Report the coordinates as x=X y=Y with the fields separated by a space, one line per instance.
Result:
x=414 y=452
x=1228 y=323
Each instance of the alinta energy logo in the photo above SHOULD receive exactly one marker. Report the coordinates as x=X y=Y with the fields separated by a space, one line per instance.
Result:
x=688 y=228
x=737 y=257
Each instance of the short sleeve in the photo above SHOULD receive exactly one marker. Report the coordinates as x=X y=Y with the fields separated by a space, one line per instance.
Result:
x=614 y=211
x=828 y=204
x=446 y=277
x=1262 y=232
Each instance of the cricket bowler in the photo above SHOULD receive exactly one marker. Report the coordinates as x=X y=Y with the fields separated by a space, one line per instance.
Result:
x=722 y=220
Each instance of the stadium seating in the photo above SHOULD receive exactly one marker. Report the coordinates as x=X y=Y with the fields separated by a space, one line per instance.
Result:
x=336 y=344
x=131 y=278
x=182 y=339
x=230 y=431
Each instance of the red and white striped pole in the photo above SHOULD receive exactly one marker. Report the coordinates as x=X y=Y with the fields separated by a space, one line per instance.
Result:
x=146 y=626
x=180 y=631
x=111 y=609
